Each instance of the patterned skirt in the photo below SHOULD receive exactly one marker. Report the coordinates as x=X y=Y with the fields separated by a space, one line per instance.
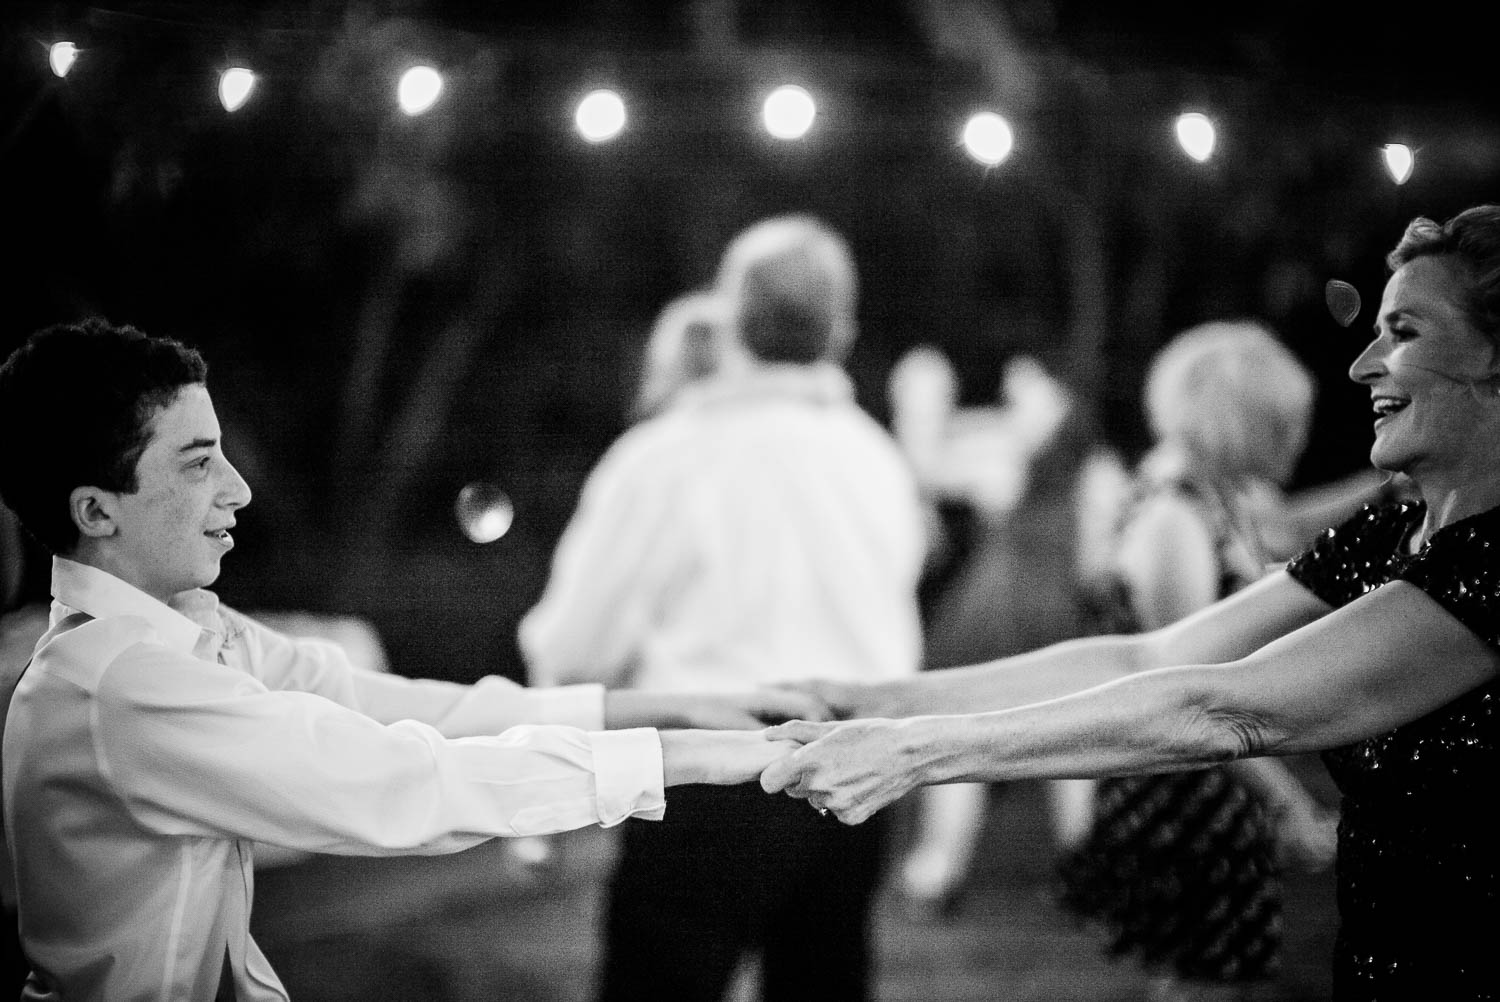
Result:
x=1181 y=873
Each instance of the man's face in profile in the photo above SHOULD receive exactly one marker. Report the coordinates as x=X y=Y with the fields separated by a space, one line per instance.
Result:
x=172 y=532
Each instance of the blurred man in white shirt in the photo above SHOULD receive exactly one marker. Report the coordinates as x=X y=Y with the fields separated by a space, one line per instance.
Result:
x=761 y=530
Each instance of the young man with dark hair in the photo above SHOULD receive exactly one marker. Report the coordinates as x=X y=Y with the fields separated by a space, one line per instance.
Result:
x=157 y=735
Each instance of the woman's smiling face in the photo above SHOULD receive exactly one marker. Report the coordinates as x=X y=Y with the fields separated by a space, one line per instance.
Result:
x=1431 y=375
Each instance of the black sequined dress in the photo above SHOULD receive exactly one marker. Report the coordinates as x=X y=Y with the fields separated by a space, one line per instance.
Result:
x=1419 y=848
x=1179 y=871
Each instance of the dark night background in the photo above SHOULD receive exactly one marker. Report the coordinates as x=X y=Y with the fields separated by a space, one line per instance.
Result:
x=393 y=307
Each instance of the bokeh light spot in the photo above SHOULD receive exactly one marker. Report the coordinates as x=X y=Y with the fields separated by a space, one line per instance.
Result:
x=484 y=512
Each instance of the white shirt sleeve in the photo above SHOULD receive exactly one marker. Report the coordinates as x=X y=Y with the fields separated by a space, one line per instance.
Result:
x=200 y=749
x=489 y=706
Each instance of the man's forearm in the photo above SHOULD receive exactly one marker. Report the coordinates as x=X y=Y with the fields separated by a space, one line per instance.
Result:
x=635 y=708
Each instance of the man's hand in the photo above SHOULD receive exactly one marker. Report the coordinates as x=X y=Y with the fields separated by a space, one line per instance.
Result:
x=723 y=758
x=736 y=711
x=852 y=769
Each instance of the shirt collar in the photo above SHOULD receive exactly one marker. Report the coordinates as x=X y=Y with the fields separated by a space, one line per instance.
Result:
x=100 y=594
x=819 y=384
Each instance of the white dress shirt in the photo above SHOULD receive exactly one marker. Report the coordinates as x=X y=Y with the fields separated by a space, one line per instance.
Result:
x=148 y=747
x=764 y=529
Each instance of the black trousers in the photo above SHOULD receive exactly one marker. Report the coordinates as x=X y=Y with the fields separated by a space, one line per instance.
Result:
x=731 y=870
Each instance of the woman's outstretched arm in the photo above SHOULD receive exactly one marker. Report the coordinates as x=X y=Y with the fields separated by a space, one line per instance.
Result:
x=1231 y=628
x=1383 y=660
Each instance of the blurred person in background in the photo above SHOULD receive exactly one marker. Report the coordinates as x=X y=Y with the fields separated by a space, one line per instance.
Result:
x=761 y=530
x=1182 y=870
x=156 y=736
x=1378 y=646
x=684 y=347
x=997 y=484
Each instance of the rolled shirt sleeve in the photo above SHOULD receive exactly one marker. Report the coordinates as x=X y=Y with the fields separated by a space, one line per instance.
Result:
x=620 y=758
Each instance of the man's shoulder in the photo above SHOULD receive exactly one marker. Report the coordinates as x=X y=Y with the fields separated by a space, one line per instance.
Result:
x=83 y=651
x=657 y=442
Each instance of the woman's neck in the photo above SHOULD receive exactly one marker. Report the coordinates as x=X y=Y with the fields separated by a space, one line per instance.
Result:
x=1450 y=503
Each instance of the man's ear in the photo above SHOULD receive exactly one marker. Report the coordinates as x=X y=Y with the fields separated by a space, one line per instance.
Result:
x=93 y=511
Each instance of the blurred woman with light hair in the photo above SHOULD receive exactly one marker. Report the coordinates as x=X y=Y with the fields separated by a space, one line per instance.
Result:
x=1183 y=870
x=1231 y=402
x=685 y=347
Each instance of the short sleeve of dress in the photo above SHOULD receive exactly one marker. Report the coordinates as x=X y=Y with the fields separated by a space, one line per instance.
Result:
x=1460 y=569
x=1356 y=557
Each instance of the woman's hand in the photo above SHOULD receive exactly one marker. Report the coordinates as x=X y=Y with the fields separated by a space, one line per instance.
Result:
x=852 y=769
x=723 y=758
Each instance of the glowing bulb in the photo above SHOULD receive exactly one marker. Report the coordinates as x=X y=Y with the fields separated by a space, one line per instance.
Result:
x=235 y=85
x=1195 y=133
x=61 y=56
x=419 y=89
x=789 y=112
x=1399 y=161
x=988 y=138
x=600 y=116
x=484 y=512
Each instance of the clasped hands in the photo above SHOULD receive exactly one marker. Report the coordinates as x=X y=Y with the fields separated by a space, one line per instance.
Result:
x=848 y=767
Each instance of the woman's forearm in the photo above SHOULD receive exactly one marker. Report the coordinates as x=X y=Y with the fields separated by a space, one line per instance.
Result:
x=1156 y=721
x=1062 y=668
x=1147 y=723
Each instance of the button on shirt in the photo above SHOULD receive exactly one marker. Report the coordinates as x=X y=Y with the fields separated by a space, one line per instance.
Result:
x=148 y=747
x=765 y=529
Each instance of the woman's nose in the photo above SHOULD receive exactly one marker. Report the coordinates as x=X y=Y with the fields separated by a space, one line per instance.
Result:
x=1370 y=363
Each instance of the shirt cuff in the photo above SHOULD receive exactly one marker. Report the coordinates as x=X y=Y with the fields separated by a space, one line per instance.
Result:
x=580 y=706
x=628 y=779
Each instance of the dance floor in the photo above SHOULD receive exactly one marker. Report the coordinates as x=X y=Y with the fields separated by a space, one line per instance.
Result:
x=489 y=925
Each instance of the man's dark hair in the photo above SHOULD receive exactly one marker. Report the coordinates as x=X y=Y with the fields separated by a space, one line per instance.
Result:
x=76 y=405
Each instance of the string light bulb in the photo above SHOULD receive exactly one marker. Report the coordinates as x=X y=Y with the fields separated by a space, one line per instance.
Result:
x=235 y=86
x=788 y=112
x=60 y=57
x=988 y=138
x=1399 y=161
x=600 y=116
x=1196 y=135
x=419 y=89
